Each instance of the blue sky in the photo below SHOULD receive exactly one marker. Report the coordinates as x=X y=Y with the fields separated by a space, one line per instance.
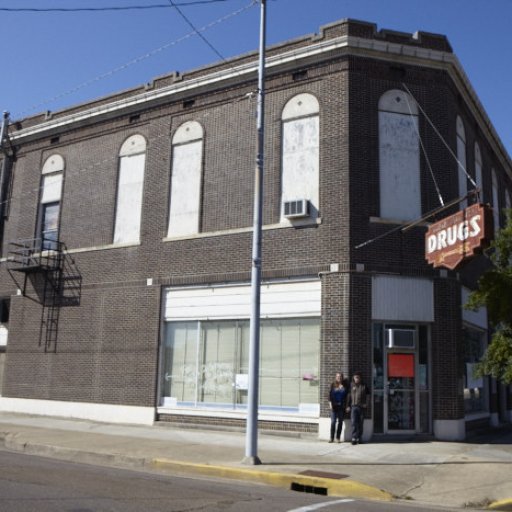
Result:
x=54 y=60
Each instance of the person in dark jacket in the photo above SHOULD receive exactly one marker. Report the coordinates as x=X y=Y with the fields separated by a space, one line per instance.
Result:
x=337 y=397
x=356 y=405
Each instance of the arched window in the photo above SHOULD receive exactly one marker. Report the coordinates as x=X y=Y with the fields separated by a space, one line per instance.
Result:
x=301 y=153
x=132 y=161
x=186 y=176
x=49 y=210
x=495 y=200
x=461 y=166
x=399 y=157
x=478 y=171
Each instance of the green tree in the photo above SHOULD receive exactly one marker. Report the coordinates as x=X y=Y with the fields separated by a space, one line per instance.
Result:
x=495 y=292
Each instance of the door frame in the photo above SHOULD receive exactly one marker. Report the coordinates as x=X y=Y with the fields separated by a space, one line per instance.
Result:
x=422 y=357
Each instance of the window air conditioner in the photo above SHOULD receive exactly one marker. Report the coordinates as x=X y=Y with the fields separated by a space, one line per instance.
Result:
x=296 y=208
x=400 y=338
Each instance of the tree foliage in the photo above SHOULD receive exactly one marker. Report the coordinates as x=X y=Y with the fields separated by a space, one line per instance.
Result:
x=495 y=292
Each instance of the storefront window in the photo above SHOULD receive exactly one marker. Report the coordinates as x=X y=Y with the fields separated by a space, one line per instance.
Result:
x=205 y=363
x=475 y=388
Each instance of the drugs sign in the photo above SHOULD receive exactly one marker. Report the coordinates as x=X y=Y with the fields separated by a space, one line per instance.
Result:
x=459 y=236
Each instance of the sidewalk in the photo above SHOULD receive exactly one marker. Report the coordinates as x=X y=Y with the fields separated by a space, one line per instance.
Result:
x=473 y=473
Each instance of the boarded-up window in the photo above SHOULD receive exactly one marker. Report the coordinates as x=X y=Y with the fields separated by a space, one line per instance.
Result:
x=400 y=193
x=186 y=176
x=461 y=166
x=495 y=201
x=300 y=152
x=132 y=160
x=478 y=171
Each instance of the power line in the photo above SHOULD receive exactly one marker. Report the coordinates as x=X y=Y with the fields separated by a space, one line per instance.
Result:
x=191 y=25
x=112 y=8
x=110 y=159
x=136 y=60
x=446 y=145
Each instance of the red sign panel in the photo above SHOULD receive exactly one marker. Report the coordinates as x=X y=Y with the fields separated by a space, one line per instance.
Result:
x=459 y=236
x=400 y=365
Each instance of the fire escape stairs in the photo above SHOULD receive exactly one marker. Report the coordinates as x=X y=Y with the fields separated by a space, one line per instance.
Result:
x=55 y=278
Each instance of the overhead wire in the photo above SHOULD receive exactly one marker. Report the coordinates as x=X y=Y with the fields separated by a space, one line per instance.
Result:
x=136 y=60
x=191 y=25
x=107 y=8
x=101 y=164
x=447 y=146
x=439 y=195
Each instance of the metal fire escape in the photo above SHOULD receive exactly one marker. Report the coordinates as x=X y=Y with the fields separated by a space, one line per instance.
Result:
x=54 y=277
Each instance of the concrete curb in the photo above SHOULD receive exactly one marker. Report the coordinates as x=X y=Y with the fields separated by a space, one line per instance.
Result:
x=310 y=484
x=313 y=484
x=501 y=505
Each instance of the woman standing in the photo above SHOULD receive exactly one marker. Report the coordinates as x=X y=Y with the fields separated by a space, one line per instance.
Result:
x=337 y=395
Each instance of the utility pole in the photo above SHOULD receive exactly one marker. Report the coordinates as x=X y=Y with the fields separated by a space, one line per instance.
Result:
x=251 y=436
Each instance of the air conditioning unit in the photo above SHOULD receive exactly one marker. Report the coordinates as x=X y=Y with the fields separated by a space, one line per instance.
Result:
x=400 y=338
x=295 y=209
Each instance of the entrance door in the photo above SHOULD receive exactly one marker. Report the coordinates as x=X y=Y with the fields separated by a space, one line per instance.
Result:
x=401 y=392
x=401 y=378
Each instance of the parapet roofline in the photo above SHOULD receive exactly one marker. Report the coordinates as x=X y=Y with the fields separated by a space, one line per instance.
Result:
x=380 y=45
x=240 y=71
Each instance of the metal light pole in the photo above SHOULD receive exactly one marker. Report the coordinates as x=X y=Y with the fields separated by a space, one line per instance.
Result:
x=251 y=437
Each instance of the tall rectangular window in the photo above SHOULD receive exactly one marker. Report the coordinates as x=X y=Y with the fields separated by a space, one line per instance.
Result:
x=132 y=160
x=461 y=163
x=186 y=178
x=301 y=152
x=49 y=209
x=399 y=153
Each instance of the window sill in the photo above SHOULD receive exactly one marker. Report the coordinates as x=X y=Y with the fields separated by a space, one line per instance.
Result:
x=284 y=224
x=396 y=222
x=239 y=414
x=104 y=247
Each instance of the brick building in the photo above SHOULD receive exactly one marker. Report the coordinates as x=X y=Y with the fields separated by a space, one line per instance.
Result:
x=127 y=232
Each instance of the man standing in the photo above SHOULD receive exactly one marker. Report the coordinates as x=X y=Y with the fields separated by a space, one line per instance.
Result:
x=356 y=404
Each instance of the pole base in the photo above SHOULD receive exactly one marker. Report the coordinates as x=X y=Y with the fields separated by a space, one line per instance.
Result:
x=251 y=461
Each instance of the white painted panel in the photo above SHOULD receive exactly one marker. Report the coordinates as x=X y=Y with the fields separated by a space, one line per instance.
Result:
x=187 y=132
x=301 y=105
x=129 y=198
x=461 y=170
x=54 y=163
x=301 y=162
x=4 y=332
x=400 y=194
x=185 y=189
x=406 y=299
x=399 y=102
x=106 y=413
x=217 y=302
x=134 y=145
x=52 y=188
x=478 y=317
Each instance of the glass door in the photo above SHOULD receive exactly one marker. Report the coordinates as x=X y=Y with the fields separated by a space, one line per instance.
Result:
x=400 y=396
x=401 y=378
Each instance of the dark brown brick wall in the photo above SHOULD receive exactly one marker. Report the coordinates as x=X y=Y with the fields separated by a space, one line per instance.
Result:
x=107 y=348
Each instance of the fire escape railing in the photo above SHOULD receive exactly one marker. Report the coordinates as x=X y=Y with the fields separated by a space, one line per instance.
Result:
x=56 y=281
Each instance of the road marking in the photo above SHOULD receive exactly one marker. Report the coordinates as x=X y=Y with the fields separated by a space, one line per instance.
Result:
x=319 y=505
